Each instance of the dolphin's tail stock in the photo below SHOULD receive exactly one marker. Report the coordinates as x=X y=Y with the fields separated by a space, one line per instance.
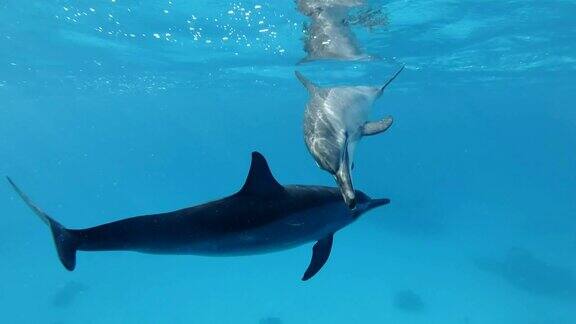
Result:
x=65 y=240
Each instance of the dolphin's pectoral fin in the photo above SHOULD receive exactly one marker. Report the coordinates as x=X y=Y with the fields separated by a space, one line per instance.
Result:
x=377 y=127
x=260 y=180
x=320 y=254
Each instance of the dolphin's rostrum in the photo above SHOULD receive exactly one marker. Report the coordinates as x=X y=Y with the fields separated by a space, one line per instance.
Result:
x=335 y=119
x=262 y=217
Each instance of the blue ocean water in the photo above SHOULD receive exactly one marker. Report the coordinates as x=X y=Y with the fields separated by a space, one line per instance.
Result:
x=110 y=109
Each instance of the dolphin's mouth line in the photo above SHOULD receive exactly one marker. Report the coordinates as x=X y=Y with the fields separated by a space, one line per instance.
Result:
x=362 y=208
x=374 y=203
x=295 y=223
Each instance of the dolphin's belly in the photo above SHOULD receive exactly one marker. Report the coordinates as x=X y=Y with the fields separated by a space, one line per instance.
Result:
x=324 y=135
x=351 y=112
x=332 y=122
x=341 y=111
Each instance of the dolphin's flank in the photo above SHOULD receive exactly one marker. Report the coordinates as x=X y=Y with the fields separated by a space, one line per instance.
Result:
x=263 y=216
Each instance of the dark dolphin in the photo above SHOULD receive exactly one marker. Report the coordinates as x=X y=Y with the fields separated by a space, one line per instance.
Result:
x=523 y=270
x=262 y=217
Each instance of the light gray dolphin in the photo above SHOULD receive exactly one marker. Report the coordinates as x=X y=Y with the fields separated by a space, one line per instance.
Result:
x=263 y=216
x=329 y=34
x=335 y=119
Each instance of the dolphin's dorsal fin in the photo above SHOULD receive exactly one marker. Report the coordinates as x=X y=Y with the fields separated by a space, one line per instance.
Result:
x=320 y=254
x=260 y=180
x=311 y=87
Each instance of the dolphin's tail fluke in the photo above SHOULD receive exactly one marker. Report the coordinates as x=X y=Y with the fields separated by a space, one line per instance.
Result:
x=65 y=240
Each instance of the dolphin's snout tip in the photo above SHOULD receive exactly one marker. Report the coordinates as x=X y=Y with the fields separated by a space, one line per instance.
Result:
x=346 y=189
x=379 y=202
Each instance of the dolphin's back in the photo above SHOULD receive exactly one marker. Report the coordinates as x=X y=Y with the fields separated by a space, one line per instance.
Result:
x=324 y=138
